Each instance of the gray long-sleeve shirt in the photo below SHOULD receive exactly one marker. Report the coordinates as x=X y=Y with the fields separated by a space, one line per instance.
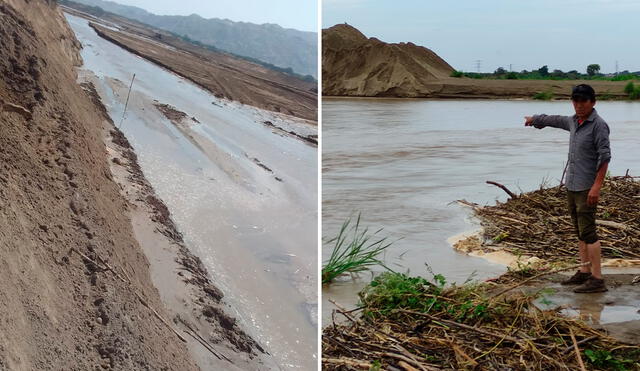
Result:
x=588 y=146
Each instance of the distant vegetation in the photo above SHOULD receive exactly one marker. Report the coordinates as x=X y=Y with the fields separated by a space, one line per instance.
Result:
x=544 y=95
x=543 y=73
x=632 y=90
x=93 y=10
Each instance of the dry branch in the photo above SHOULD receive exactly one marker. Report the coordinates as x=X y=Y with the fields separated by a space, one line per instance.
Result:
x=504 y=188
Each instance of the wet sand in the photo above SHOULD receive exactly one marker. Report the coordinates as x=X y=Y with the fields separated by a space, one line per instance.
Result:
x=185 y=300
x=617 y=311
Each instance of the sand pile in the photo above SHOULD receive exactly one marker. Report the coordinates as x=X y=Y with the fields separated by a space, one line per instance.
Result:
x=58 y=203
x=357 y=66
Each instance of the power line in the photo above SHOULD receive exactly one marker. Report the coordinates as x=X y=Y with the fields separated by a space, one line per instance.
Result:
x=478 y=64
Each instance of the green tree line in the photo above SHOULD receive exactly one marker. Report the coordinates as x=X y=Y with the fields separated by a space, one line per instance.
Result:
x=543 y=73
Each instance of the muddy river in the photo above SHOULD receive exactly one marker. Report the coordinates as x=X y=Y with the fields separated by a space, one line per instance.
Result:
x=244 y=197
x=402 y=163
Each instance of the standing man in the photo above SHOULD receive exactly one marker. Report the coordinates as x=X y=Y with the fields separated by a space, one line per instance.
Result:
x=589 y=156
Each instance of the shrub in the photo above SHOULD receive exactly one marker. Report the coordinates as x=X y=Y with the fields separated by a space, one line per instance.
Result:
x=543 y=95
x=629 y=88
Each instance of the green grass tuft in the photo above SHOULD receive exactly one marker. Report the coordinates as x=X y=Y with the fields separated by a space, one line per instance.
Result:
x=603 y=358
x=390 y=291
x=354 y=250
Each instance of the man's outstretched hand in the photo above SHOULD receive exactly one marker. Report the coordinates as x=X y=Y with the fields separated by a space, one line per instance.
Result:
x=528 y=120
x=593 y=196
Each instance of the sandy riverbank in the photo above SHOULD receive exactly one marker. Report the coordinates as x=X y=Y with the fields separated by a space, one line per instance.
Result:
x=76 y=290
x=252 y=226
x=195 y=306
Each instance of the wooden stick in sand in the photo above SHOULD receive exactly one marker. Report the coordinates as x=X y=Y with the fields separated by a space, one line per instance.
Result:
x=127 y=102
x=575 y=346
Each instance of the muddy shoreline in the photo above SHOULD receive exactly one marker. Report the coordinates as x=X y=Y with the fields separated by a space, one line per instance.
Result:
x=473 y=89
x=220 y=198
x=196 y=305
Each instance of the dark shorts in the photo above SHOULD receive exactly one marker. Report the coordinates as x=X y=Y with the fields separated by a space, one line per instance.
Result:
x=583 y=216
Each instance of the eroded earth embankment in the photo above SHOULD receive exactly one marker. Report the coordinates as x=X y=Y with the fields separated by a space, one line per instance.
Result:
x=62 y=220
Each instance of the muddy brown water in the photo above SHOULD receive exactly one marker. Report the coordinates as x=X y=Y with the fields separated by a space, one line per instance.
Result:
x=402 y=163
x=257 y=235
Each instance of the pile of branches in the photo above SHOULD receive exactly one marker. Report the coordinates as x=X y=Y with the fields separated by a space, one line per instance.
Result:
x=537 y=223
x=410 y=324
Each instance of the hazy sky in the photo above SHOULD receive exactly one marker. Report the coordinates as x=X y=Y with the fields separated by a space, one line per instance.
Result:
x=563 y=34
x=299 y=14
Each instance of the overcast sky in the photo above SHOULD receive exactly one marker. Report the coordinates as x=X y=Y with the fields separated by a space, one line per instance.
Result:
x=299 y=14
x=563 y=34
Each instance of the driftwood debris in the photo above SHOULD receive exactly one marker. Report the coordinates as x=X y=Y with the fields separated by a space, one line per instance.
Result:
x=503 y=187
x=537 y=223
x=577 y=349
x=470 y=330
x=478 y=327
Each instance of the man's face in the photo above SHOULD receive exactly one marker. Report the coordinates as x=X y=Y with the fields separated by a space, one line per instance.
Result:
x=583 y=107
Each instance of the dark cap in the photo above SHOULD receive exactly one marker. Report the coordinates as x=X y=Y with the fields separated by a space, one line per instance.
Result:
x=583 y=92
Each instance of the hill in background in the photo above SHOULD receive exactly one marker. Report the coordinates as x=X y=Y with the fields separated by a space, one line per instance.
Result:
x=283 y=47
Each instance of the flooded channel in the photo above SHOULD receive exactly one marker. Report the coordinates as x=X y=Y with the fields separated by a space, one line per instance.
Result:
x=244 y=197
x=403 y=163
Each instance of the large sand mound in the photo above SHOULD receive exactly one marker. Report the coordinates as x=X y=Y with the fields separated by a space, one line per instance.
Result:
x=355 y=65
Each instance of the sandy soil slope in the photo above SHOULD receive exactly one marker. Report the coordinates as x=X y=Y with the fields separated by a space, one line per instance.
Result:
x=75 y=285
x=353 y=65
